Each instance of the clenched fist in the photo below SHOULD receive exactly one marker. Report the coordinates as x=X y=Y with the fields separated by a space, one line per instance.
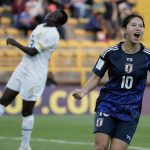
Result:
x=78 y=94
x=11 y=41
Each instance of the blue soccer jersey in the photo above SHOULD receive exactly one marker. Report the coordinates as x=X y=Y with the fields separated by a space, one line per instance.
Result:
x=121 y=96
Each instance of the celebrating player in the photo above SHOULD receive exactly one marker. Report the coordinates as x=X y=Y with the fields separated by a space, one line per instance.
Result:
x=118 y=106
x=30 y=76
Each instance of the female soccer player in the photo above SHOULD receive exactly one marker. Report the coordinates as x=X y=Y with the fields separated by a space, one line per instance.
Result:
x=30 y=76
x=118 y=106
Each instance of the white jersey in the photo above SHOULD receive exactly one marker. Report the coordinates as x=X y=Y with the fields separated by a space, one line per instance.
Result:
x=30 y=76
x=44 y=39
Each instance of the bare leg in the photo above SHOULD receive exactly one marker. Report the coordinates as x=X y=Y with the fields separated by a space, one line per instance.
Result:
x=102 y=141
x=7 y=97
x=118 y=145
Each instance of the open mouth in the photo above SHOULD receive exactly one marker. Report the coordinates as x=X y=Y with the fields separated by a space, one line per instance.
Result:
x=137 y=34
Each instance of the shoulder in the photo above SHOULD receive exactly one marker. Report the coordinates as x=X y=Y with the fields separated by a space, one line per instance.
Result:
x=52 y=33
x=49 y=32
x=39 y=26
x=46 y=28
x=110 y=50
x=146 y=51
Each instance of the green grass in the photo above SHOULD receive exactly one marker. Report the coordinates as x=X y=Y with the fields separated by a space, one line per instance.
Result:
x=64 y=128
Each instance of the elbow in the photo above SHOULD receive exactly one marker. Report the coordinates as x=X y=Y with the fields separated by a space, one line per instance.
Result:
x=32 y=54
x=96 y=79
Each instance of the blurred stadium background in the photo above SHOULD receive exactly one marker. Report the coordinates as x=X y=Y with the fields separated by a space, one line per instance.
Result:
x=61 y=122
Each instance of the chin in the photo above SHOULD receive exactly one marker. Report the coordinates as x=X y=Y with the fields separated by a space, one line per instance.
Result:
x=135 y=42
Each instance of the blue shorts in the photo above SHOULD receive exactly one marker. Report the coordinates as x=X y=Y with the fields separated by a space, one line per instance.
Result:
x=123 y=130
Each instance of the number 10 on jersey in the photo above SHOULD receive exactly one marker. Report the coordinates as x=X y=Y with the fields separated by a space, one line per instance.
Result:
x=127 y=82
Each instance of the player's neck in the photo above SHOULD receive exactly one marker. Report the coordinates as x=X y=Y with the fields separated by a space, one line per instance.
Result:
x=49 y=25
x=131 y=48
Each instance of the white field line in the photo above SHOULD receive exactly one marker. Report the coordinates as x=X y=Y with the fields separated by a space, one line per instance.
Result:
x=63 y=142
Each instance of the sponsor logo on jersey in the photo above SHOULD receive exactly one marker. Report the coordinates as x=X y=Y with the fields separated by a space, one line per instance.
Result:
x=128 y=68
x=103 y=114
x=128 y=137
x=129 y=59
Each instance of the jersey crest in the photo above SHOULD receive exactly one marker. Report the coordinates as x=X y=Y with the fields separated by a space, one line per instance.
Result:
x=128 y=68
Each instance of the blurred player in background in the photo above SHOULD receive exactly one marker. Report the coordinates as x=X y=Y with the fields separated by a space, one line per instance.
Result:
x=118 y=106
x=30 y=76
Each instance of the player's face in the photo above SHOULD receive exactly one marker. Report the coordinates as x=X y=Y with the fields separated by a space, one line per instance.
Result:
x=52 y=17
x=134 y=30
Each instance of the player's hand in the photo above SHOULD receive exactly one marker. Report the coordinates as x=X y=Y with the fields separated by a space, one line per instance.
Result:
x=78 y=94
x=11 y=41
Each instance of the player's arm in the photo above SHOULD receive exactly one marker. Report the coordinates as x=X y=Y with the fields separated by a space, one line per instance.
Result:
x=28 y=50
x=98 y=71
x=89 y=86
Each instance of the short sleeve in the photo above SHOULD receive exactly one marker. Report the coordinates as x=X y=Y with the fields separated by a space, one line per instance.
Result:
x=101 y=65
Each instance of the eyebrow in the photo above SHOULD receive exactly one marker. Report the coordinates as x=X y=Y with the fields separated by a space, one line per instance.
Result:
x=136 y=23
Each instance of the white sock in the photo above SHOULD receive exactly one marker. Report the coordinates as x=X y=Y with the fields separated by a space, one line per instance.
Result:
x=2 y=109
x=27 y=126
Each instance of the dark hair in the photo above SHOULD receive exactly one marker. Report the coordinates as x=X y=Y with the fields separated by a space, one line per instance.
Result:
x=63 y=17
x=129 y=18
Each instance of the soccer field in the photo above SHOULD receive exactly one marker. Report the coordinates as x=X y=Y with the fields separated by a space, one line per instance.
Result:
x=64 y=132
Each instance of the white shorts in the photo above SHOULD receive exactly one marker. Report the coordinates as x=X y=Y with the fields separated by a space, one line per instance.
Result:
x=29 y=85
